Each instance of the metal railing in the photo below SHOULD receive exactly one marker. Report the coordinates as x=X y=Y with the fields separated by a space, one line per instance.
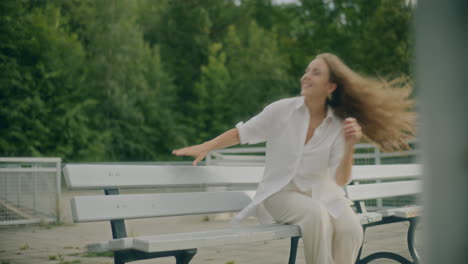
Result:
x=30 y=190
x=365 y=154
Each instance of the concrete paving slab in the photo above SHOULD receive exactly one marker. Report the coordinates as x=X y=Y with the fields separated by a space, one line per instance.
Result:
x=65 y=243
x=57 y=244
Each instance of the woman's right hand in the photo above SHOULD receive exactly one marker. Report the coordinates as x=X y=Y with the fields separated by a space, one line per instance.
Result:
x=196 y=151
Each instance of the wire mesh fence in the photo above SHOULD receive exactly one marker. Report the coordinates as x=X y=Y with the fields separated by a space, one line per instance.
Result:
x=367 y=154
x=29 y=190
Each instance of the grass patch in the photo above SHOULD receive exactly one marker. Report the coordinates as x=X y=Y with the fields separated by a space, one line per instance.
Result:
x=25 y=246
x=45 y=225
x=63 y=261
x=70 y=262
x=99 y=254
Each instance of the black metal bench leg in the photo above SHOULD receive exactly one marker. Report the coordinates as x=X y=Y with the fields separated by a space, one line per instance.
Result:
x=293 y=251
x=411 y=231
x=118 y=260
x=186 y=256
x=385 y=255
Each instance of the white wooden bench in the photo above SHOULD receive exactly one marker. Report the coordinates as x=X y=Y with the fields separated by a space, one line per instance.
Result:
x=116 y=208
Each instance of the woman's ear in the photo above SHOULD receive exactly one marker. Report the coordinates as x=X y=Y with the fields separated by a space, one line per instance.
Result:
x=332 y=88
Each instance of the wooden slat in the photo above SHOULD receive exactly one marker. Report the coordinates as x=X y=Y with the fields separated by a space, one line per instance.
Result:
x=383 y=172
x=111 y=207
x=215 y=237
x=382 y=190
x=31 y=160
x=239 y=150
x=111 y=245
x=28 y=170
x=85 y=176
x=241 y=157
x=209 y=238
x=403 y=212
x=369 y=217
x=222 y=162
x=147 y=176
x=198 y=239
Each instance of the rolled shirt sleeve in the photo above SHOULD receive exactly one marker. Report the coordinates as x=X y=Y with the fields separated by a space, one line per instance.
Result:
x=255 y=129
x=336 y=155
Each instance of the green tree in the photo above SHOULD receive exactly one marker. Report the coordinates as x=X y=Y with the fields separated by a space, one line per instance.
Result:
x=257 y=70
x=211 y=110
x=184 y=41
x=126 y=76
x=129 y=81
x=42 y=113
x=386 y=45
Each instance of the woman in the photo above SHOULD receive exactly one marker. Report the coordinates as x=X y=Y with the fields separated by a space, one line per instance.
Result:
x=309 y=153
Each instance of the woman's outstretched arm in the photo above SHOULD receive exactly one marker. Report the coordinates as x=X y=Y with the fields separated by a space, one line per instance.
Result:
x=227 y=139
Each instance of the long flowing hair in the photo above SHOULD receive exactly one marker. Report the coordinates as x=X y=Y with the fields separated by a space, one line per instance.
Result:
x=382 y=107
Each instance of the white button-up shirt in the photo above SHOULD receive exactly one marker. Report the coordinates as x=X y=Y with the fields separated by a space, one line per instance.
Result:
x=283 y=125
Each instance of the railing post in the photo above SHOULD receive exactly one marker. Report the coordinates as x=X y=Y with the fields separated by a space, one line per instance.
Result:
x=378 y=161
x=208 y=159
x=18 y=191
x=34 y=182
x=58 y=181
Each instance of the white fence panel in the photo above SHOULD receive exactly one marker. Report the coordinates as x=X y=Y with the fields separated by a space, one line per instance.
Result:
x=30 y=190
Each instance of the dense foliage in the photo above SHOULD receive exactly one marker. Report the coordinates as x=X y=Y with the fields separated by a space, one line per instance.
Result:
x=115 y=80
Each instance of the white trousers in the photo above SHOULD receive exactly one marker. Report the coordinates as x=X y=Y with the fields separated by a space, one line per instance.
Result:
x=326 y=240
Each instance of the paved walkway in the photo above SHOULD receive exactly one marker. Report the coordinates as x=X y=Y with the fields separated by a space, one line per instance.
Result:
x=65 y=244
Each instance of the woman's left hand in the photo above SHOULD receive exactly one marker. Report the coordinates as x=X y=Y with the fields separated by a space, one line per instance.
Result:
x=352 y=131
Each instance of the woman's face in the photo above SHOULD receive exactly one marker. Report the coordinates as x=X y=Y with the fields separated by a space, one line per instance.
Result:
x=315 y=81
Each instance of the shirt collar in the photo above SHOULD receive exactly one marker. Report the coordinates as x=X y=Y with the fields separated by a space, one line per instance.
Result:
x=301 y=103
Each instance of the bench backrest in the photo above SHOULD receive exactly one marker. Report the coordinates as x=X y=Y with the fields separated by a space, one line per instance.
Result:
x=391 y=180
x=113 y=206
x=111 y=178
x=98 y=177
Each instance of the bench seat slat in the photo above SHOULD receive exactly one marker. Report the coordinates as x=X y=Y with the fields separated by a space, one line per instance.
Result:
x=383 y=190
x=148 y=176
x=128 y=206
x=369 y=217
x=403 y=212
x=111 y=245
x=177 y=241
x=215 y=237
x=209 y=238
